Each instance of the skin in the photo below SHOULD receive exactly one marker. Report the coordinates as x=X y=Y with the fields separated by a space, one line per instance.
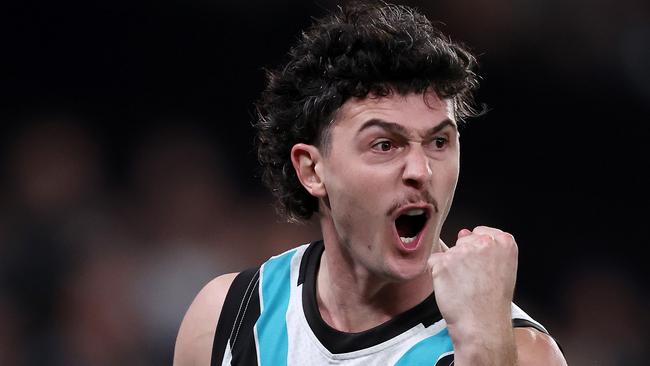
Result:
x=387 y=155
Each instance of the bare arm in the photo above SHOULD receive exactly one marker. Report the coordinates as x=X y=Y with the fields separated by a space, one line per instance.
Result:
x=196 y=334
x=535 y=348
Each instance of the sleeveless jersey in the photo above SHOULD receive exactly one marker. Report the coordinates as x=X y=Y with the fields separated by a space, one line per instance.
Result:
x=270 y=318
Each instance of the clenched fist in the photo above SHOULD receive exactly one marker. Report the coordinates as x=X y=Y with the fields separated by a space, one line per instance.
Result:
x=473 y=284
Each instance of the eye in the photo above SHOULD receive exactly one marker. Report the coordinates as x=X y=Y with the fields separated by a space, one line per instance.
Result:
x=440 y=142
x=383 y=145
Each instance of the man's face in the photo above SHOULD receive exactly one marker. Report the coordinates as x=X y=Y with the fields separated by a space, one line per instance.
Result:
x=389 y=177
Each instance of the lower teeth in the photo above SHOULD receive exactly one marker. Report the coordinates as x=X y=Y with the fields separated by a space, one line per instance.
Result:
x=406 y=240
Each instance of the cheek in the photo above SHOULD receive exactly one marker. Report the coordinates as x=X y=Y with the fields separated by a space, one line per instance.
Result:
x=354 y=197
x=350 y=179
x=447 y=182
x=352 y=193
x=452 y=176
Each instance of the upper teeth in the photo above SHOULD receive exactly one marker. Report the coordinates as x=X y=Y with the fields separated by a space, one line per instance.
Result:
x=414 y=212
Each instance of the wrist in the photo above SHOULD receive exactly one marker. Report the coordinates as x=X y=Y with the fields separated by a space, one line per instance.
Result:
x=483 y=344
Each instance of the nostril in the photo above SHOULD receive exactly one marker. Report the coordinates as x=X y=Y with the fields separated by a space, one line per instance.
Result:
x=415 y=183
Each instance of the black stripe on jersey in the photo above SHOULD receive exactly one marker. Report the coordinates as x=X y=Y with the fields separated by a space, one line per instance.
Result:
x=525 y=323
x=305 y=260
x=425 y=313
x=239 y=313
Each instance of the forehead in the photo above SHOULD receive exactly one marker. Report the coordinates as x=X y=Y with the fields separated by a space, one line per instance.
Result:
x=413 y=111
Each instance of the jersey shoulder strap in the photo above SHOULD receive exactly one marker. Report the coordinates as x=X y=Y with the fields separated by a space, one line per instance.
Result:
x=239 y=313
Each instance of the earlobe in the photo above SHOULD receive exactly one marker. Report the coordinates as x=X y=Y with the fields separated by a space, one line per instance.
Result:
x=306 y=160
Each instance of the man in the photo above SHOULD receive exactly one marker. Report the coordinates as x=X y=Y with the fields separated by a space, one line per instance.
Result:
x=361 y=128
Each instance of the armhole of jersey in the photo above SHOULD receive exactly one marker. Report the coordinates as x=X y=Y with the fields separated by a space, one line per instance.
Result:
x=525 y=323
x=232 y=312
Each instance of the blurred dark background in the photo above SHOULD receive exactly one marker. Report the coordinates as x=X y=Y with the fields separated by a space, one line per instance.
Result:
x=128 y=177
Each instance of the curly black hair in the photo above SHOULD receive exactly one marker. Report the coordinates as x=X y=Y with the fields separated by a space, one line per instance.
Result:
x=363 y=48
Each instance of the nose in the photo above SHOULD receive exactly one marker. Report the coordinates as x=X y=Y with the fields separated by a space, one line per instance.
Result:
x=417 y=169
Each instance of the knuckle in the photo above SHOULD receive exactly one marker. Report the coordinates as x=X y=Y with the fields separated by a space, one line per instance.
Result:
x=485 y=239
x=480 y=229
x=505 y=237
x=487 y=229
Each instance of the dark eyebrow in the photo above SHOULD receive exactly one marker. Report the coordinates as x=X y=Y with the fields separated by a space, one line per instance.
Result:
x=441 y=126
x=399 y=129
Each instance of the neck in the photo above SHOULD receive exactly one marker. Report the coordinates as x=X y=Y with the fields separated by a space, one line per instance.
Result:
x=351 y=298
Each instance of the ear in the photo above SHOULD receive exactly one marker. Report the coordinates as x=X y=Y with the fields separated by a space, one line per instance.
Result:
x=306 y=160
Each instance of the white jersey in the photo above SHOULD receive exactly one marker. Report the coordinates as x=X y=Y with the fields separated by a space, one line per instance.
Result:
x=270 y=318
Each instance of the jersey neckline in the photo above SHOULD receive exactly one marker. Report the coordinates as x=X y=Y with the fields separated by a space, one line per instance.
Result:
x=335 y=341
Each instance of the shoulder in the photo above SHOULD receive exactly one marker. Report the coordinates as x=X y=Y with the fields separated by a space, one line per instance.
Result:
x=537 y=348
x=196 y=333
x=534 y=344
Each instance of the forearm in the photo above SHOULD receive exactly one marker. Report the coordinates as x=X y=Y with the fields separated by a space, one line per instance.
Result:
x=484 y=347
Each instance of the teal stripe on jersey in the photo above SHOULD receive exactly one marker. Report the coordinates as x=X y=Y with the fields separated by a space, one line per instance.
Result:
x=271 y=326
x=427 y=351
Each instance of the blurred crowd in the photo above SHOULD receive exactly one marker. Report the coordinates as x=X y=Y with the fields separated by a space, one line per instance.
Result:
x=95 y=273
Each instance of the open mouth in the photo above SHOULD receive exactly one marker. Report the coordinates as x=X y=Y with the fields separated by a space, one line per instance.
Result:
x=409 y=225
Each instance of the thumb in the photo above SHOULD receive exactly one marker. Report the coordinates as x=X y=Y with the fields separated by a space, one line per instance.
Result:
x=443 y=246
x=434 y=259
